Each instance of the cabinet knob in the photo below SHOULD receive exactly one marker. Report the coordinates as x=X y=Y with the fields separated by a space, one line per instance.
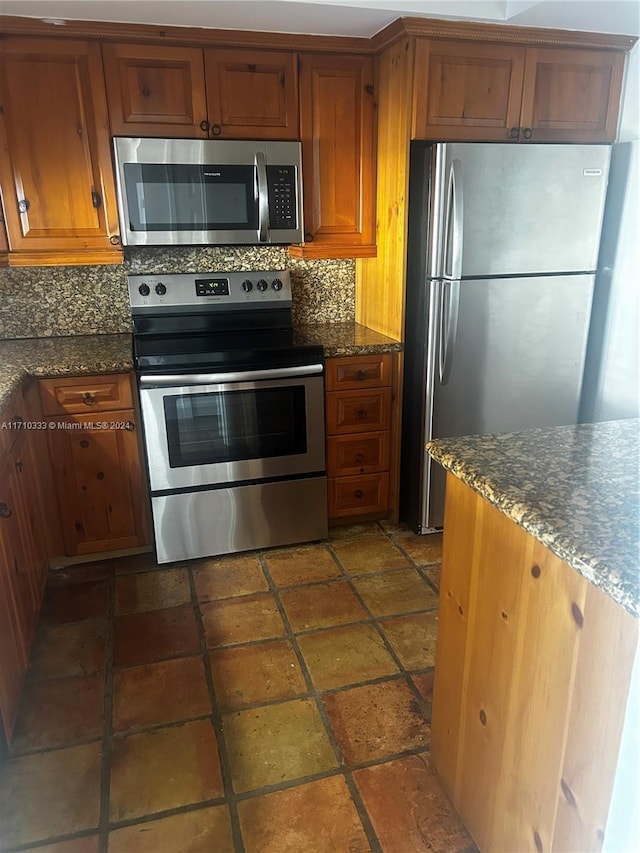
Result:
x=100 y=475
x=527 y=133
x=362 y=414
x=129 y=425
x=23 y=205
x=96 y=198
x=361 y=375
x=88 y=399
x=204 y=125
x=359 y=457
x=216 y=130
x=19 y=466
x=5 y=511
x=17 y=421
x=358 y=493
x=514 y=133
x=308 y=237
x=114 y=240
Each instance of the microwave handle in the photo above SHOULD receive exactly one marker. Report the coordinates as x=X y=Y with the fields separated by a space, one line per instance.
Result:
x=263 y=198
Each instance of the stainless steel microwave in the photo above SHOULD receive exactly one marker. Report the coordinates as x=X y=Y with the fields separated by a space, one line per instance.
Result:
x=192 y=192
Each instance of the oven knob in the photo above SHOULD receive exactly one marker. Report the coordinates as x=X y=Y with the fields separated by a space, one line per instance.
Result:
x=276 y=284
x=144 y=290
x=161 y=289
x=247 y=285
x=262 y=285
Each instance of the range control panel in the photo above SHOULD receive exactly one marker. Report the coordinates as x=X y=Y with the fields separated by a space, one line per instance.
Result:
x=210 y=291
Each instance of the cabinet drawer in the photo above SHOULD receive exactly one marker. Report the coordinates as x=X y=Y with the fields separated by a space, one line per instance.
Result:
x=365 y=371
x=80 y=395
x=367 y=453
x=348 y=412
x=358 y=495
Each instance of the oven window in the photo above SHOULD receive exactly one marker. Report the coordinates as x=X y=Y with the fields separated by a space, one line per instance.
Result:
x=228 y=426
x=190 y=197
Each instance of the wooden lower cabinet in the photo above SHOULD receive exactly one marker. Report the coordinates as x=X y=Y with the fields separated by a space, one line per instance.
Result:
x=533 y=667
x=23 y=559
x=99 y=482
x=358 y=421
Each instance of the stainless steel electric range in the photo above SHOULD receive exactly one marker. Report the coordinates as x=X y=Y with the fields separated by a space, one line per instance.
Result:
x=232 y=412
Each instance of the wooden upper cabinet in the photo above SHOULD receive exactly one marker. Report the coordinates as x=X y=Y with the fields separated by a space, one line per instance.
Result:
x=467 y=90
x=337 y=129
x=252 y=94
x=55 y=172
x=155 y=90
x=571 y=95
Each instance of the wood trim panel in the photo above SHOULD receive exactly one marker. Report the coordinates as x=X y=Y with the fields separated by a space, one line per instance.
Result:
x=198 y=36
x=380 y=281
x=52 y=258
x=437 y=28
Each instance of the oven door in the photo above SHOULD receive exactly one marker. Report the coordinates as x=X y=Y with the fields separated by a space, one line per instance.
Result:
x=218 y=429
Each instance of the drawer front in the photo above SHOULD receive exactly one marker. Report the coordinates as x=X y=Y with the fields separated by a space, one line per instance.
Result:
x=365 y=371
x=360 y=454
x=82 y=395
x=364 y=495
x=348 y=412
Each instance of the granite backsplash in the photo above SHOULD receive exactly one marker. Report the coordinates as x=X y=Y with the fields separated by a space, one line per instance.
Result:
x=38 y=302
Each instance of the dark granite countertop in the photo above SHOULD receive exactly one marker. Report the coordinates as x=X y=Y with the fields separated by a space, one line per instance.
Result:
x=61 y=356
x=575 y=489
x=348 y=339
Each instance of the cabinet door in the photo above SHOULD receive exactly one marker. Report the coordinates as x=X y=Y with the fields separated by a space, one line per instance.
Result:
x=56 y=175
x=13 y=653
x=467 y=90
x=252 y=94
x=155 y=90
x=571 y=95
x=98 y=482
x=337 y=128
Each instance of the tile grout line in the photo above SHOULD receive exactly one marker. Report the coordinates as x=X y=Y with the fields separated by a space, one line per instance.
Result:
x=345 y=771
x=216 y=721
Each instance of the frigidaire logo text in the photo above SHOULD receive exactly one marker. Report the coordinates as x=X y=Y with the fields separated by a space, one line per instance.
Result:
x=212 y=174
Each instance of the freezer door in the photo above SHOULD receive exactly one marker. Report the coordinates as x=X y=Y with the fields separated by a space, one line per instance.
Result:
x=529 y=208
x=514 y=360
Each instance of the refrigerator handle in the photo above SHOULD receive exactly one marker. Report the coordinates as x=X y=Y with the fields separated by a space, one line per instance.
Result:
x=449 y=309
x=454 y=219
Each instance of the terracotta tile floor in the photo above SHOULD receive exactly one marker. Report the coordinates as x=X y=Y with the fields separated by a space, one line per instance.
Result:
x=271 y=702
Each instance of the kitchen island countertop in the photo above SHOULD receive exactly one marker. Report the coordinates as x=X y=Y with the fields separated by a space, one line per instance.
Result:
x=61 y=356
x=575 y=489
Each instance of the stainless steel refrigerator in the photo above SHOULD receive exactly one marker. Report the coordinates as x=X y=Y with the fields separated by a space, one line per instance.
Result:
x=502 y=253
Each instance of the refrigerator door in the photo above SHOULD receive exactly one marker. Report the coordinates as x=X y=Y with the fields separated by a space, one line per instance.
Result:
x=529 y=209
x=514 y=360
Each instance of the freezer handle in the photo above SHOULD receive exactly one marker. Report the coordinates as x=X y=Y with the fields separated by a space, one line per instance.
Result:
x=449 y=309
x=453 y=238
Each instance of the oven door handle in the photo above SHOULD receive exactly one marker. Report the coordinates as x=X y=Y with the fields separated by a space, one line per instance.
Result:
x=178 y=380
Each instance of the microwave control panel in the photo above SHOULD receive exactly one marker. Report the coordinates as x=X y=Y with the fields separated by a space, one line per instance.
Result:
x=281 y=184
